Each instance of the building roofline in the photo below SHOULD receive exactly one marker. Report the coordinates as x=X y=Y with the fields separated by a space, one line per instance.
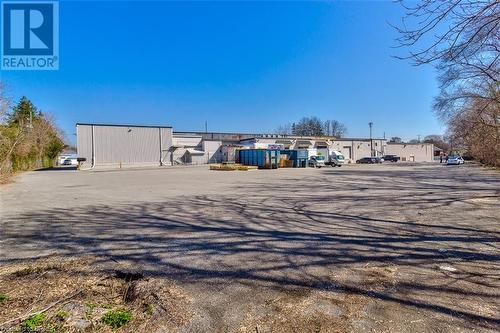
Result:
x=293 y=137
x=358 y=139
x=186 y=135
x=227 y=133
x=122 y=125
x=407 y=143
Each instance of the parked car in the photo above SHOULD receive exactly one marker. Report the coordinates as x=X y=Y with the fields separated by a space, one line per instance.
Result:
x=317 y=161
x=379 y=159
x=392 y=158
x=455 y=160
x=67 y=162
x=367 y=160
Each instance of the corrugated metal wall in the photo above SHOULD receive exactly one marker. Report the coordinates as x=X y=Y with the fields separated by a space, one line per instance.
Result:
x=84 y=144
x=166 y=136
x=116 y=146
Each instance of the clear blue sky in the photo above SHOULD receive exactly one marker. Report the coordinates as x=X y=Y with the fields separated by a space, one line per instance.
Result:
x=242 y=66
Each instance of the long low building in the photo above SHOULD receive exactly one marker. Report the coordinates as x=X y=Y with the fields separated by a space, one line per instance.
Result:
x=116 y=146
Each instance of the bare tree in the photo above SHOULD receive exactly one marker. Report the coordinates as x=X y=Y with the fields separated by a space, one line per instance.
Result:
x=285 y=129
x=4 y=104
x=438 y=141
x=308 y=126
x=464 y=46
x=480 y=138
x=461 y=39
x=6 y=134
x=396 y=139
x=313 y=126
x=334 y=128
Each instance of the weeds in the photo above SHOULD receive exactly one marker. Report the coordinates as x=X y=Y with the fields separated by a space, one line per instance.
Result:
x=92 y=306
x=148 y=309
x=61 y=314
x=3 y=297
x=116 y=318
x=33 y=322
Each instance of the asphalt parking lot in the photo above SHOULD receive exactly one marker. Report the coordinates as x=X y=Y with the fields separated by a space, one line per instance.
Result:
x=362 y=248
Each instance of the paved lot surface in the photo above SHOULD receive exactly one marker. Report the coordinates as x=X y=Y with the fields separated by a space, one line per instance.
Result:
x=363 y=248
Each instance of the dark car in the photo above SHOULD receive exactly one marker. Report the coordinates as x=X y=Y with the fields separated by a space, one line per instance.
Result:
x=367 y=160
x=392 y=158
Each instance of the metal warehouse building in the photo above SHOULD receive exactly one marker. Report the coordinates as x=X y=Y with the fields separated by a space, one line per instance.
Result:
x=123 y=145
x=115 y=146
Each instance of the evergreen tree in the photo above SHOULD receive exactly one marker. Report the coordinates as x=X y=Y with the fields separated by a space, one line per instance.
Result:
x=23 y=114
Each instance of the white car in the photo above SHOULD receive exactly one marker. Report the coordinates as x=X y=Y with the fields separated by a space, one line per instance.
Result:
x=317 y=161
x=455 y=160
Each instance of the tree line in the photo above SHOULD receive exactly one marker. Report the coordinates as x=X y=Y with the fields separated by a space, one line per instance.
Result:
x=313 y=126
x=29 y=138
x=461 y=40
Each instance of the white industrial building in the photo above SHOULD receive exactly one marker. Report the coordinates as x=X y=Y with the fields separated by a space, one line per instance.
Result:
x=352 y=148
x=116 y=146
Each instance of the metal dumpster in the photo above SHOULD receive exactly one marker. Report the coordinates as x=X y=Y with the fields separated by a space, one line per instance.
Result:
x=298 y=156
x=263 y=158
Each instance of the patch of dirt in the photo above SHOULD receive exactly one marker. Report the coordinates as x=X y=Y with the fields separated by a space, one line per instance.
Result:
x=77 y=296
x=311 y=312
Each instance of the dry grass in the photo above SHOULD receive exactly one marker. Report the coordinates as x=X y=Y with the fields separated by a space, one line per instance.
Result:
x=6 y=177
x=30 y=287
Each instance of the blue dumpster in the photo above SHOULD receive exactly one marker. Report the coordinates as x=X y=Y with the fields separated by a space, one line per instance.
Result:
x=263 y=158
x=298 y=156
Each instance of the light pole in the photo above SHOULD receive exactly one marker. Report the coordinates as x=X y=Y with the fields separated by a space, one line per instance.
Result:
x=371 y=139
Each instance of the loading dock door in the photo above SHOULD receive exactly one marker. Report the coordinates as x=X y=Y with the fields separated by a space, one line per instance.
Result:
x=346 y=151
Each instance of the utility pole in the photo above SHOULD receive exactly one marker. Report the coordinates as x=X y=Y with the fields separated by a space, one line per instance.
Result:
x=418 y=138
x=206 y=126
x=371 y=138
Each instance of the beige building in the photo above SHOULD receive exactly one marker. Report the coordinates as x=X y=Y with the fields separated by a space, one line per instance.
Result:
x=352 y=148
x=411 y=152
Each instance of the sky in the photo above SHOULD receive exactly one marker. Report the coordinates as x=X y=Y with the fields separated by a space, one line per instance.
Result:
x=240 y=66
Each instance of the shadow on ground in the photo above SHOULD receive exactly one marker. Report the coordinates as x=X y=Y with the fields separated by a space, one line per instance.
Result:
x=438 y=233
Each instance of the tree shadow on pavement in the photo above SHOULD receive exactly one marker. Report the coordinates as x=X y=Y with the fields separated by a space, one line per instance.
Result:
x=295 y=238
